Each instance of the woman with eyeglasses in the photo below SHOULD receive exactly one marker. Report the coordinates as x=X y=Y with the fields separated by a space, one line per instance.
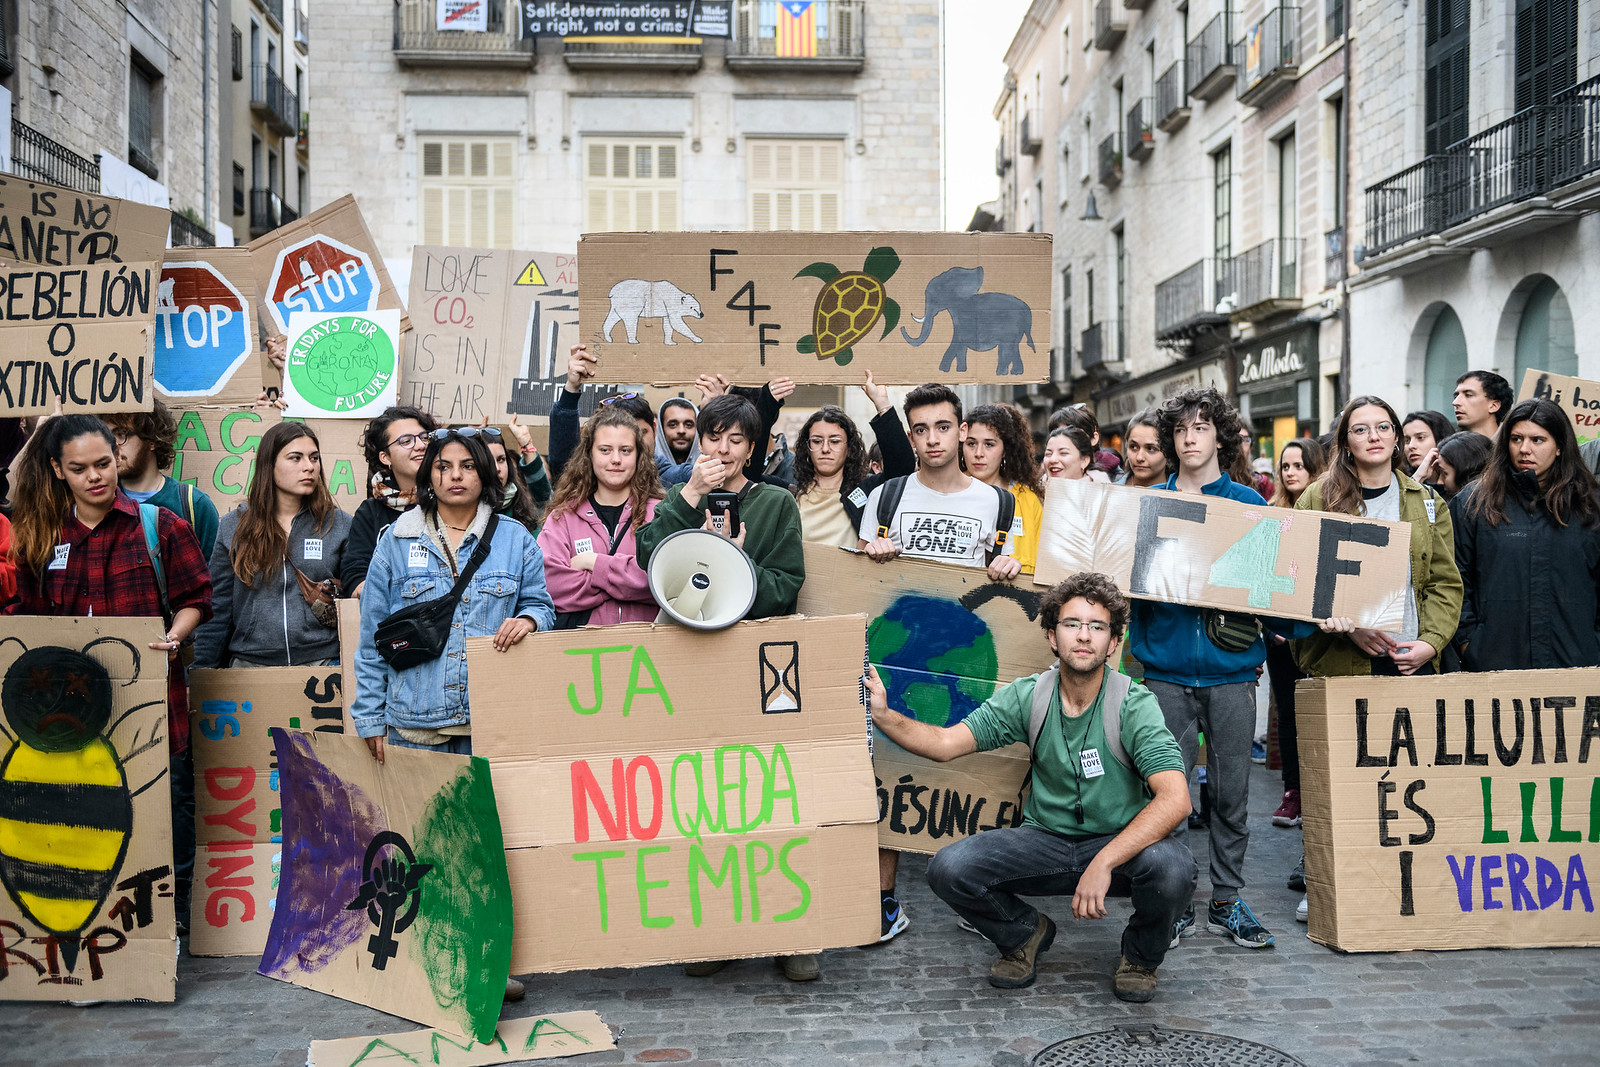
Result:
x=831 y=473
x=394 y=443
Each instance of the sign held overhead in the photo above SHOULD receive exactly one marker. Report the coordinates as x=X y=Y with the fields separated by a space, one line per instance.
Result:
x=1578 y=397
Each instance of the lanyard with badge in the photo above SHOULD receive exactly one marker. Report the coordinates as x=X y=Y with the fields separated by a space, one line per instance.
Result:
x=1088 y=764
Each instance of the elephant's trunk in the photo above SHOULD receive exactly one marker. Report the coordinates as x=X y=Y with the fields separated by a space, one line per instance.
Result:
x=927 y=325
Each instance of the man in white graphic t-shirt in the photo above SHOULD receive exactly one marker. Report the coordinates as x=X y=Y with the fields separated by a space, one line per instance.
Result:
x=944 y=515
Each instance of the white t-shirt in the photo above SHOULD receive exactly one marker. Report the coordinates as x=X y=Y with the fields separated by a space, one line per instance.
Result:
x=946 y=527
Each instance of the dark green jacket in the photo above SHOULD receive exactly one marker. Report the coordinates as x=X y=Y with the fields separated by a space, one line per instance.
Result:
x=771 y=539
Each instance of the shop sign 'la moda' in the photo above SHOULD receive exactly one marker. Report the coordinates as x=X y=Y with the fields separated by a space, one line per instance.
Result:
x=1271 y=361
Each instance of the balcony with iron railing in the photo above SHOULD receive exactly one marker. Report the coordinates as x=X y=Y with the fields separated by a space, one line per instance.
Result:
x=419 y=43
x=648 y=53
x=1111 y=161
x=1091 y=347
x=1138 y=134
x=1002 y=158
x=35 y=156
x=1268 y=57
x=286 y=214
x=188 y=233
x=1028 y=139
x=266 y=211
x=1172 y=100
x=302 y=29
x=273 y=101
x=840 y=46
x=1525 y=160
x=1186 y=302
x=1110 y=24
x=1209 y=59
x=274 y=10
x=1264 y=280
x=1334 y=269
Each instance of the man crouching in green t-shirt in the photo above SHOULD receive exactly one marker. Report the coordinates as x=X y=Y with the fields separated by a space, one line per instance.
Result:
x=1097 y=817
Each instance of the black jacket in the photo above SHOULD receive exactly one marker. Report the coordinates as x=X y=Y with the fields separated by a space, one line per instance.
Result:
x=371 y=516
x=1530 y=599
x=898 y=459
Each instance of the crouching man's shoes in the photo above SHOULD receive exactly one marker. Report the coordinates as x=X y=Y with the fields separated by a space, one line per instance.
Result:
x=1018 y=968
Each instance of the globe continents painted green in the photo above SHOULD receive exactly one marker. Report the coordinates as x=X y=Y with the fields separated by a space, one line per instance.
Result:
x=342 y=364
x=937 y=659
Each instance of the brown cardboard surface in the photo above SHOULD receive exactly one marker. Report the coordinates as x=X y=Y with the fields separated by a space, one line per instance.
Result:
x=1578 y=397
x=349 y=641
x=1212 y=552
x=80 y=281
x=217 y=452
x=205 y=336
x=742 y=304
x=535 y=1037
x=113 y=938
x=1469 y=793
x=924 y=806
x=238 y=830
x=802 y=818
x=346 y=249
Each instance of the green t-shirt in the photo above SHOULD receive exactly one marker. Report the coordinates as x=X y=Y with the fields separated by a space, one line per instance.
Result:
x=1110 y=800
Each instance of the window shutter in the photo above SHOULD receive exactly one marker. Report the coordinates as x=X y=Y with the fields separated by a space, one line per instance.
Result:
x=433 y=216
x=432 y=159
x=631 y=185
x=597 y=161
x=468 y=193
x=667 y=156
x=504 y=237
x=760 y=211
x=795 y=185
x=667 y=215
x=599 y=219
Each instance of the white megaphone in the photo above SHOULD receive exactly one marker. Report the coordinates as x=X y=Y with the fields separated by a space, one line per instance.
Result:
x=702 y=580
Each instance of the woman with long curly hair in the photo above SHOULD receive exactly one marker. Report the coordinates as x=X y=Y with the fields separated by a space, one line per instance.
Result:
x=998 y=449
x=1300 y=462
x=831 y=472
x=608 y=489
x=1528 y=545
x=275 y=566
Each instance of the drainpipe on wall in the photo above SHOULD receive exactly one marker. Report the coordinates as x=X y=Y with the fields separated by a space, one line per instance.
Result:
x=208 y=219
x=1348 y=119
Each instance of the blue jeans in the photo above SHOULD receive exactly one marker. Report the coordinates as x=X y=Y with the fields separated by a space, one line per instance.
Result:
x=456 y=746
x=984 y=876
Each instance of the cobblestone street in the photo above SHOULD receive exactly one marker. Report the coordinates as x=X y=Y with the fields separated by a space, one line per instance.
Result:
x=923 y=999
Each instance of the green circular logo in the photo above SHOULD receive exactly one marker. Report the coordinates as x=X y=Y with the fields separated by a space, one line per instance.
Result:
x=343 y=363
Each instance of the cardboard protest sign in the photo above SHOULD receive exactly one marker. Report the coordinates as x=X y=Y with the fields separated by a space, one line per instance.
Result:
x=669 y=794
x=324 y=262
x=1212 y=552
x=1459 y=811
x=78 y=299
x=238 y=818
x=817 y=307
x=85 y=812
x=394 y=891
x=924 y=806
x=217 y=453
x=205 y=337
x=349 y=643
x=537 y=1037
x=341 y=366
x=1578 y=397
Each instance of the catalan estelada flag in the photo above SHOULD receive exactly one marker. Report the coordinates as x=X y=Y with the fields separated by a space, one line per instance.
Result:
x=797 y=28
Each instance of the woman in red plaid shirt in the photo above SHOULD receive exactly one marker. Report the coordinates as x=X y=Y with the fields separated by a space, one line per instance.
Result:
x=79 y=545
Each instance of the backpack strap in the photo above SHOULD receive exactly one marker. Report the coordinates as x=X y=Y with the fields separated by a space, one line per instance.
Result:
x=1002 y=522
x=889 y=502
x=188 y=503
x=1042 y=690
x=150 y=520
x=1115 y=693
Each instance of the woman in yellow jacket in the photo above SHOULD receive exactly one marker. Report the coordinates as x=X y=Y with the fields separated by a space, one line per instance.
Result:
x=998 y=449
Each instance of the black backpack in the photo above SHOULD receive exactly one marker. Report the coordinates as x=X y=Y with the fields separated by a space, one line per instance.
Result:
x=895 y=488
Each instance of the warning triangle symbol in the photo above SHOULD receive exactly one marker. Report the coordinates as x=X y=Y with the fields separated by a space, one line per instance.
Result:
x=530 y=275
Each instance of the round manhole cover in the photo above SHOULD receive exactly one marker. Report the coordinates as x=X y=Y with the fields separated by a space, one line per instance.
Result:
x=1157 y=1046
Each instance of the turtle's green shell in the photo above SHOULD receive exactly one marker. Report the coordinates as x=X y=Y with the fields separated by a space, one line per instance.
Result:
x=845 y=310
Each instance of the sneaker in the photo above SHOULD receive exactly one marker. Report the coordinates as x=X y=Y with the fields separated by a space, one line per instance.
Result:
x=704 y=968
x=1198 y=821
x=515 y=990
x=1233 y=918
x=1302 y=912
x=1184 y=927
x=1288 y=813
x=1018 y=968
x=1297 y=877
x=1258 y=752
x=1133 y=982
x=894 y=918
x=803 y=968
x=966 y=925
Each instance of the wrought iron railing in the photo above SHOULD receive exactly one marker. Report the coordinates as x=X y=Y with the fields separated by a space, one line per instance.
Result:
x=269 y=94
x=186 y=231
x=1171 y=94
x=1268 y=50
x=1208 y=55
x=1109 y=24
x=1186 y=298
x=33 y=155
x=416 y=32
x=1139 y=134
x=302 y=27
x=1111 y=160
x=266 y=211
x=1091 y=347
x=1269 y=271
x=840 y=32
x=1028 y=138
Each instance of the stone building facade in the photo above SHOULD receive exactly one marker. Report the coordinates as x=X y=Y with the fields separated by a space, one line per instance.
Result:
x=265 y=142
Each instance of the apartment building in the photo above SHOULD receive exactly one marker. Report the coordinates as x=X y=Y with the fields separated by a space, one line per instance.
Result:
x=1478 y=180
x=265 y=142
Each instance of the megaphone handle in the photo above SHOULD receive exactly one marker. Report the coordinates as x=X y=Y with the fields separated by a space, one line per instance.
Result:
x=689 y=600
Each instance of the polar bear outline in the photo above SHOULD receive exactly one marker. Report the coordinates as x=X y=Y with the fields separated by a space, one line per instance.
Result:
x=635 y=298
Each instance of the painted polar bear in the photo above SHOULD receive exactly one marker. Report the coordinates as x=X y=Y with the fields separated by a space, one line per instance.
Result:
x=636 y=299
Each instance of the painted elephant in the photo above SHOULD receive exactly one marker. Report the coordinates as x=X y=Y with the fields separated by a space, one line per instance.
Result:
x=636 y=299
x=979 y=321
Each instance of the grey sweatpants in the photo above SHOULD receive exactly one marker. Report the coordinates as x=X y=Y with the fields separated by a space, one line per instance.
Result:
x=1226 y=714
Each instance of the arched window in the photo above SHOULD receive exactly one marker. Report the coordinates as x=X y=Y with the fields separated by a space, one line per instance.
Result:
x=1444 y=361
x=1544 y=333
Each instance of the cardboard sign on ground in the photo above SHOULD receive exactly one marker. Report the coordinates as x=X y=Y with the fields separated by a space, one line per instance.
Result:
x=238 y=821
x=1452 y=812
x=537 y=1037
x=78 y=295
x=205 y=336
x=326 y=261
x=1212 y=552
x=217 y=453
x=341 y=365
x=393 y=891
x=669 y=794
x=1578 y=397
x=85 y=812
x=817 y=307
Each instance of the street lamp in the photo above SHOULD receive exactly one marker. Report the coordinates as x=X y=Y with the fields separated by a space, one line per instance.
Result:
x=1090 y=212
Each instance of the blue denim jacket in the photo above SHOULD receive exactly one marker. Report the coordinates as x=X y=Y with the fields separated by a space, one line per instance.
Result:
x=408 y=568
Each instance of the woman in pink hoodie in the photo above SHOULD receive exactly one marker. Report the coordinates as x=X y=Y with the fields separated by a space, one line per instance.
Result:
x=608 y=489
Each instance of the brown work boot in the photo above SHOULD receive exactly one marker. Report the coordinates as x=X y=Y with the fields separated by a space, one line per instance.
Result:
x=515 y=990
x=802 y=968
x=1018 y=968
x=1133 y=982
x=704 y=968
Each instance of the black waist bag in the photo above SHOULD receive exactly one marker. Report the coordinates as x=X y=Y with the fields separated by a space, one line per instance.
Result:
x=418 y=634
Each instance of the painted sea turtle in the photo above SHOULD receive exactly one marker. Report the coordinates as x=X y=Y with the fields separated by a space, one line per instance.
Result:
x=849 y=303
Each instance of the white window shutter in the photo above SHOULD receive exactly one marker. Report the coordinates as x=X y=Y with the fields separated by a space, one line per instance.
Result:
x=433 y=216
x=795 y=185
x=760 y=210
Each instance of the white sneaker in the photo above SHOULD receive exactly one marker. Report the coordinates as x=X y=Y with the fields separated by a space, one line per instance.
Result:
x=1302 y=913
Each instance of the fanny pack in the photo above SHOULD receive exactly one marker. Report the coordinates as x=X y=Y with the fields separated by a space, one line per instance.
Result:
x=1231 y=631
x=418 y=634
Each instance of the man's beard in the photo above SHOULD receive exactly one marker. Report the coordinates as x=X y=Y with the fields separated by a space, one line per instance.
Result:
x=1068 y=669
x=680 y=453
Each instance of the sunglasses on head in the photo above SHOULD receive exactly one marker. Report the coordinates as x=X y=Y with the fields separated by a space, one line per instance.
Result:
x=466 y=431
x=621 y=396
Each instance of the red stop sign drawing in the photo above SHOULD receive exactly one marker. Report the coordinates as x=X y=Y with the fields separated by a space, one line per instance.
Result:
x=320 y=274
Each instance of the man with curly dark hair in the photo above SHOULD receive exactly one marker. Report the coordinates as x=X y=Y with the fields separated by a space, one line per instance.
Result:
x=147 y=446
x=1107 y=788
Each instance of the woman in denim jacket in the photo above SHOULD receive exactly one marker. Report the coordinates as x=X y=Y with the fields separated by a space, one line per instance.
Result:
x=417 y=559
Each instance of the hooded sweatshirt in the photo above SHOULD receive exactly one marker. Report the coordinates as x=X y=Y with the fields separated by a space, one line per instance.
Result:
x=672 y=472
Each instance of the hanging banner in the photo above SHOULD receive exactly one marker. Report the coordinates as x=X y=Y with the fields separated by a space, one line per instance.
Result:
x=470 y=15
x=205 y=337
x=627 y=18
x=341 y=365
x=1578 y=397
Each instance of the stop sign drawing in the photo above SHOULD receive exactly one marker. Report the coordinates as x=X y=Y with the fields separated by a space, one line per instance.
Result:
x=203 y=331
x=320 y=274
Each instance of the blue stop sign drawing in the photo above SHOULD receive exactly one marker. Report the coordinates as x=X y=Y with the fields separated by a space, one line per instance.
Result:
x=320 y=274
x=203 y=332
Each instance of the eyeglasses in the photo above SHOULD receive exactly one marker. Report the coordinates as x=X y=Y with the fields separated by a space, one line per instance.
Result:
x=620 y=396
x=407 y=441
x=1094 y=626
x=465 y=431
x=829 y=442
x=122 y=437
x=1382 y=429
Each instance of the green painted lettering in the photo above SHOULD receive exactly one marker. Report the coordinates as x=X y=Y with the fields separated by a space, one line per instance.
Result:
x=599 y=861
x=594 y=655
x=436 y=1037
x=551 y=1028
x=753 y=874
x=1252 y=563
x=800 y=883
x=789 y=791
x=238 y=447
x=728 y=870
x=653 y=922
x=342 y=477
x=192 y=433
x=641 y=658
x=1557 y=785
x=389 y=1053
x=1529 y=791
x=1491 y=836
